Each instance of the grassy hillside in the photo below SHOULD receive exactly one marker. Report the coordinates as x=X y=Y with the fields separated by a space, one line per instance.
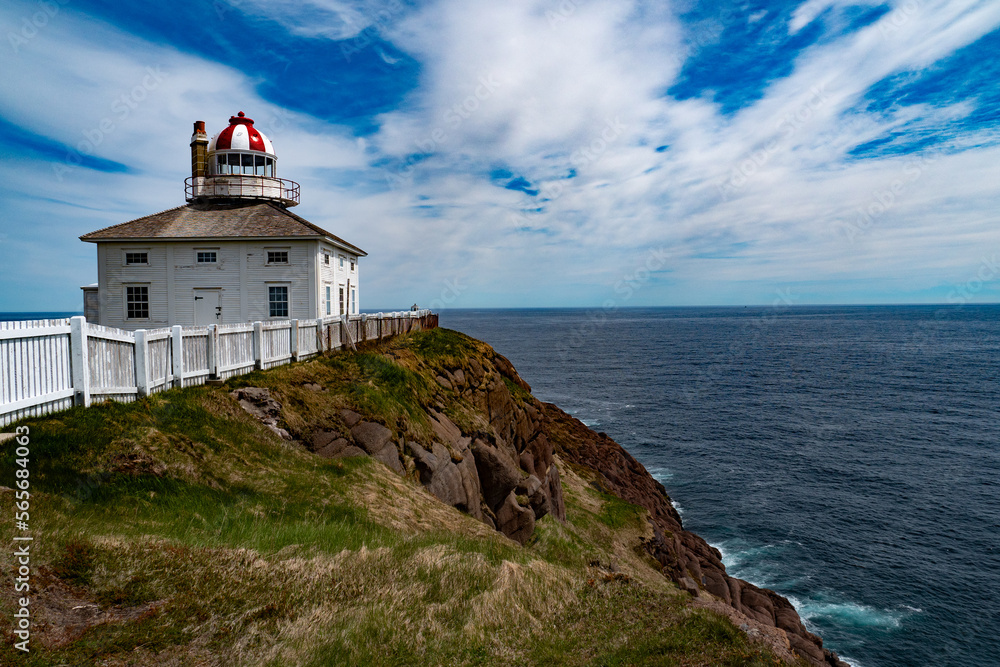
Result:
x=181 y=530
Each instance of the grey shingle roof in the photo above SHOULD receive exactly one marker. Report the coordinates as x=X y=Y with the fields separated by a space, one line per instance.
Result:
x=198 y=222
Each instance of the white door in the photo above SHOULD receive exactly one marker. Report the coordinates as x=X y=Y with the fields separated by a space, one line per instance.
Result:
x=207 y=306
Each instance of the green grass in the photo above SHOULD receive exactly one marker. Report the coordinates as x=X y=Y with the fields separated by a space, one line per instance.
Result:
x=444 y=347
x=209 y=540
x=616 y=513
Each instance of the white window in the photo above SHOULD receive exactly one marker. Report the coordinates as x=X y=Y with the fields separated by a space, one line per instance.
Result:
x=352 y=264
x=136 y=258
x=341 y=261
x=341 y=300
x=354 y=301
x=137 y=302
x=277 y=300
x=277 y=257
x=326 y=258
x=222 y=164
x=328 y=289
x=206 y=256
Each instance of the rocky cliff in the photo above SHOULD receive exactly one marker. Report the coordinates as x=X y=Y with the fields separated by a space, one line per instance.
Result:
x=482 y=450
x=686 y=558
x=490 y=449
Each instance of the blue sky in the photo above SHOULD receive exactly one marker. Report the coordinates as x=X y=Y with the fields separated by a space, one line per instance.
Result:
x=537 y=153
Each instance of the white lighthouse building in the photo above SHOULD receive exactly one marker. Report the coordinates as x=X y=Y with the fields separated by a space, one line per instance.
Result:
x=233 y=253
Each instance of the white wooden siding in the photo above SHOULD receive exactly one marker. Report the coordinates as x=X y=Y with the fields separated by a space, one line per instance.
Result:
x=241 y=273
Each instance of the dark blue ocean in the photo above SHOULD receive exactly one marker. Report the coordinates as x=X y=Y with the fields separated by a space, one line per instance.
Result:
x=847 y=457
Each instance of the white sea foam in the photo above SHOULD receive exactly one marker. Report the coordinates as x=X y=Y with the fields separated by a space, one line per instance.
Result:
x=756 y=565
x=660 y=474
x=849 y=614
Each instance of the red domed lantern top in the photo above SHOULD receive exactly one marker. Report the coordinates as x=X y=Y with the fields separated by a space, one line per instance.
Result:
x=241 y=135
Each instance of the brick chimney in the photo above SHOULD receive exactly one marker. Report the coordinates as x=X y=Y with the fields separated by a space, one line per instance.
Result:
x=199 y=150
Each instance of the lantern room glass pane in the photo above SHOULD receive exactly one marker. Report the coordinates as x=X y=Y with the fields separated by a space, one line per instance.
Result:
x=258 y=165
x=248 y=165
x=269 y=167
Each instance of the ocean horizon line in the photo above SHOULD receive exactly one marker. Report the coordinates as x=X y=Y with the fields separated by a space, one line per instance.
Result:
x=20 y=315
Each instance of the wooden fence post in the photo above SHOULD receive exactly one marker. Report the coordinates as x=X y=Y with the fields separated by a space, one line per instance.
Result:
x=212 y=351
x=319 y=335
x=364 y=328
x=294 y=333
x=141 y=363
x=258 y=345
x=177 y=341
x=345 y=331
x=79 y=362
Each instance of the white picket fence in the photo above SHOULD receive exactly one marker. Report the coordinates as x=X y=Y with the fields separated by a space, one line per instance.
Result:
x=52 y=365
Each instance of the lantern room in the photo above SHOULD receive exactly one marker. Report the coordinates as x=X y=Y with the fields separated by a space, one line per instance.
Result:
x=238 y=164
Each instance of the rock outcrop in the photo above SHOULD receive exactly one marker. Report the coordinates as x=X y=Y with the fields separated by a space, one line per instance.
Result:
x=489 y=450
x=498 y=467
x=260 y=404
x=685 y=557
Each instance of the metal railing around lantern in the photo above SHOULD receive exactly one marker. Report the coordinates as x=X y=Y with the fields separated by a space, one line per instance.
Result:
x=242 y=187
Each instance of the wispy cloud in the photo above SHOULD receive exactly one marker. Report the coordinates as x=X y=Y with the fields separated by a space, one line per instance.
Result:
x=539 y=150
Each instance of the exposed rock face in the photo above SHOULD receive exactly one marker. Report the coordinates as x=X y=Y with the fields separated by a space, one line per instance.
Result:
x=258 y=402
x=511 y=459
x=499 y=468
x=499 y=471
x=515 y=521
x=454 y=483
x=497 y=474
x=685 y=557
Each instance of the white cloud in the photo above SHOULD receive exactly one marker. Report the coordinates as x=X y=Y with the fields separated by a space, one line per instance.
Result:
x=108 y=95
x=745 y=203
x=810 y=10
x=561 y=81
x=330 y=19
